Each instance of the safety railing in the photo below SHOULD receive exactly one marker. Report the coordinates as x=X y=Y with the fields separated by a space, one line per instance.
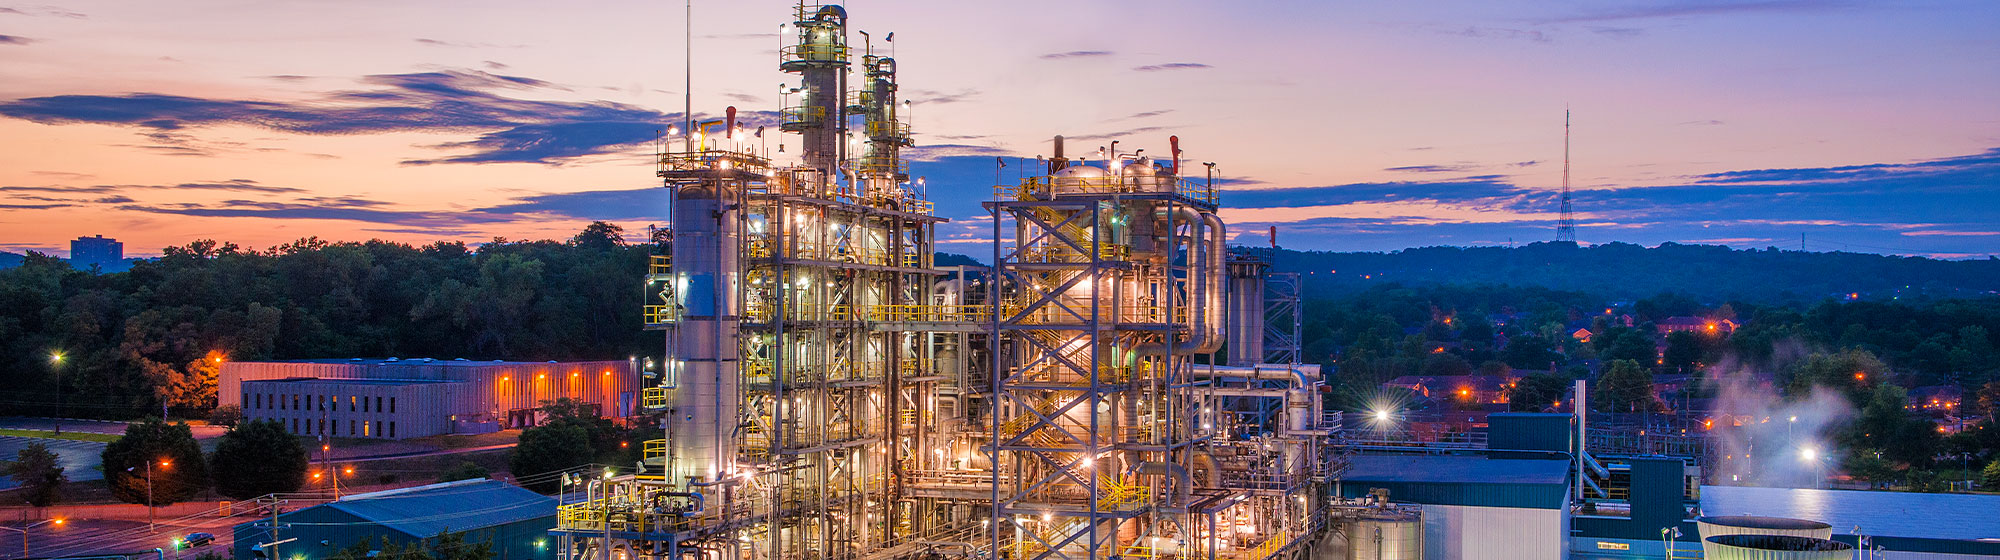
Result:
x=804 y=115
x=930 y=313
x=653 y=397
x=709 y=159
x=812 y=52
x=887 y=129
x=660 y=265
x=1044 y=188
x=660 y=314
x=654 y=449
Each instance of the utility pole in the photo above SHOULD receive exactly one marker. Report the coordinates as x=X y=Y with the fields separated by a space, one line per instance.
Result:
x=150 y=526
x=55 y=363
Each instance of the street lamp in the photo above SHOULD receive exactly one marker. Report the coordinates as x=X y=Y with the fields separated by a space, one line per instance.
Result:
x=23 y=530
x=55 y=365
x=149 y=490
x=1667 y=537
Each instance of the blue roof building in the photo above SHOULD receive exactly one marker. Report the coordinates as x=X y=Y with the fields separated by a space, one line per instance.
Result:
x=515 y=520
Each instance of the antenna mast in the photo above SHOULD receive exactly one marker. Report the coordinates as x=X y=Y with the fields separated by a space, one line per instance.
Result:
x=1566 y=225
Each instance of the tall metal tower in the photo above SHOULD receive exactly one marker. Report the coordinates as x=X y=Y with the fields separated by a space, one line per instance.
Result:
x=1566 y=225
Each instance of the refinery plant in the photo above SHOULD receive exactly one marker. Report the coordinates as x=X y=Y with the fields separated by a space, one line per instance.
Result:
x=1118 y=382
x=827 y=392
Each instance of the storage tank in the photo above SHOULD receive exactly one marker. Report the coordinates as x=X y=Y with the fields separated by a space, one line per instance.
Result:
x=1774 y=547
x=1386 y=535
x=1718 y=525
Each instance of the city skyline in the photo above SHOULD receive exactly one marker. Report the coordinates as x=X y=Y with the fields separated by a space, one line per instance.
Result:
x=1861 y=126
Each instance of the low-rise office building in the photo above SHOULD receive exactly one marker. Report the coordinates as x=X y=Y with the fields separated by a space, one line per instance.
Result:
x=395 y=399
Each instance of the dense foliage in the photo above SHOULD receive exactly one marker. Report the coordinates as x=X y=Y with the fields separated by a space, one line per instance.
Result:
x=157 y=334
x=1627 y=271
x=39 y=472
x=167 y=453
x=257 y=458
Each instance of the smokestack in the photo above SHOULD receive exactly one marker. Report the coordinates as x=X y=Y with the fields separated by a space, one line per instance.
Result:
x=1058 y=162
x=1175 y=143
x=729 y=128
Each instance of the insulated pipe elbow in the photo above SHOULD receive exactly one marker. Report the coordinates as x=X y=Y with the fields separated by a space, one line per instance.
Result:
x=1183 y=482
x=1213 y=257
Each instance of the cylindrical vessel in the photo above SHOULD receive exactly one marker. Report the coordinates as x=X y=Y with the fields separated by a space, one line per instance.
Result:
x=704 y=405
x=1774 y=547
x=1717 y=525
x=1246 y=312
x=1387 y=535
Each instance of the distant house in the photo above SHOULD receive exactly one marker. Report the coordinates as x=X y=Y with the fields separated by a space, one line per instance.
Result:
x=1581 y=335
x=514 y=519
x=1478 y=389
x=1698 y=325
x=1937 y=398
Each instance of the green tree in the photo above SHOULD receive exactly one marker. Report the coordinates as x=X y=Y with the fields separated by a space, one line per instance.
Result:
x=1885 y=423
x=1989 y=477
x=549 y=448
x=465 y=470
x=1494 y=368
x=1853 y=372
x=257 y=458
x=1868 y=465
x=1684 y=352
x=39 y=472
x=1446 y=364
x=169 y=450
x=1536 y=393
x=1529 y=352
x=1625 y=386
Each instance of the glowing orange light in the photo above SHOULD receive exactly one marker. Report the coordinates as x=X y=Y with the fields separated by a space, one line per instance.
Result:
x=165 y=464
x=607 y=372
x=1858 y=376
x=60 y=521
x=541 y=376
x=624 y=444
x=506 y=378
x=350 y=470
x=315 y=476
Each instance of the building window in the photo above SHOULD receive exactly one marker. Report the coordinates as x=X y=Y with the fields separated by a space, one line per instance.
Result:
x=295 y=401
x=365 y=432
x=378 y=404
x=295 y=425
x=350 y=427
x=392 y=428
x=392 y=406
x=350 y=406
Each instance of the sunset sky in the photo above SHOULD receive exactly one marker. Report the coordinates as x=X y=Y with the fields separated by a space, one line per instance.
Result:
x=1865 y=126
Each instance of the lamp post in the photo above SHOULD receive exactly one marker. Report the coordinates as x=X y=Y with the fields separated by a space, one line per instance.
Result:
x=23 y=530
x=55 y=365
x=149 y=491
x=1667 y=537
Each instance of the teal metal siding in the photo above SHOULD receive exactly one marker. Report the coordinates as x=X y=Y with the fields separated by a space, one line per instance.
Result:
x=1523 y=431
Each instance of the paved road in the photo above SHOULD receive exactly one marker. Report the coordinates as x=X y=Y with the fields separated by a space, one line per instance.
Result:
x=79 y=458
x=89 y=536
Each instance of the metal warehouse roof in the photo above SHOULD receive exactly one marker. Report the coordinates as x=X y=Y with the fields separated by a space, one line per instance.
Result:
x=458 y=362
x=339 y=381
x=426 y=511
x=1464 y=480
x=1957 y=517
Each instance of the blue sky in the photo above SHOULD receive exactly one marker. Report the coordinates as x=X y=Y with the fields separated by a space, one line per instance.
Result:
x=1864 y=126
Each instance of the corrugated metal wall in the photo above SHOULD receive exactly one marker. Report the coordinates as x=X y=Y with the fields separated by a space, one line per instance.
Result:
x=1493 y=533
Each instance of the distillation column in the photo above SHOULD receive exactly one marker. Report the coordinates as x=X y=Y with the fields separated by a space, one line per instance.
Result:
x=702 y=412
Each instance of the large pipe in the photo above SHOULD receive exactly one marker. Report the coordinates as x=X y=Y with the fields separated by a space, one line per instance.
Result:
x=729 y=123
x=1175 y=143
x=1183 y=482
x=1206 y=245
x=1057 y=162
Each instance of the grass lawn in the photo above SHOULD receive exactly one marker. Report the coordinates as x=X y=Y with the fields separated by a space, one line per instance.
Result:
x=45 y=434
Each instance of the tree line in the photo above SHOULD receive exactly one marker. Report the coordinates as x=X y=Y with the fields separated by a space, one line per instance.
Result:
x=155 y=335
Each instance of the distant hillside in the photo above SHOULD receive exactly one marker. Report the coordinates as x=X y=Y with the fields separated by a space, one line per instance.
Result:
x=10 y=260
x=1624 y=270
